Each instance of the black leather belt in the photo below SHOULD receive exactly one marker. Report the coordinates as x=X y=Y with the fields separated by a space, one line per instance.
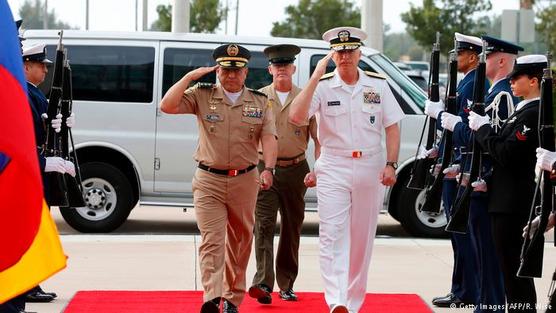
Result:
x=231 y=173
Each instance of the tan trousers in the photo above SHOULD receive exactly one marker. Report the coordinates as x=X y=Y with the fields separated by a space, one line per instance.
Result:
x=224 y=207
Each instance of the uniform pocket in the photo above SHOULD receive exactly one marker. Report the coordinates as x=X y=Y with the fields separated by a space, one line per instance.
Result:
x=250 y=128
x=371 y=115
x=335 y=110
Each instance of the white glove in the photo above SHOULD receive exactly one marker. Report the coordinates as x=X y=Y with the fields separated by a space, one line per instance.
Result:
x=449 y=121
x=545 y=159
x=56 y=122
x=451 y=171
x=55 y=164
x=70 y=121
x=479 y=185
x=424 y=153
x=476 y=120
x=70 y=168
x=432 y=109
x=534 y=227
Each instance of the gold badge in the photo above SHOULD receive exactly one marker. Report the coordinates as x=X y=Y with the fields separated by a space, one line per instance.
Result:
x=343 y=35
x=232 y=50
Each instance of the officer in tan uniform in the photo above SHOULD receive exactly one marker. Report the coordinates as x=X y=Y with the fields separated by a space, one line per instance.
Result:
x=232 y=120
x=288 y=190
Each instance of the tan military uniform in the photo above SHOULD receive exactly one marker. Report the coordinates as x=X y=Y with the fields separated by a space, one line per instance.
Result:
x=224 y=205
x=286 y=194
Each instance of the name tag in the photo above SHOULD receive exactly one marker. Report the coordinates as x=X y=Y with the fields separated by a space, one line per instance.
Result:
x=333 y=103
x=213 y=117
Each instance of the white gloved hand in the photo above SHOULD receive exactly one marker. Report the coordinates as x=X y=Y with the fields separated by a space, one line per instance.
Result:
x=70 y=121
x=432 y=109
x=449 y=121
x=70 y=168
x=424 y=153
x=534 y=227
x=451 y=171
x=545 y=159
x=476 y=120
x=55 y=164
x=56 y=122
x=479 y=185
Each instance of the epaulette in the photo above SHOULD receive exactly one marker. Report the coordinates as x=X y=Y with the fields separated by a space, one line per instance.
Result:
x=375 y=75
x=204 y=85
x=327 y=76
x=260 y=93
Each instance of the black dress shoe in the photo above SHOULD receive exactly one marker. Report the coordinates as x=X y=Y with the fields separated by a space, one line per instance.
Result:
x=212 y=306
x=261 y=292
x=447 y=301
x=229 y=307
x=288 y=295
x=39 y=289
x=38 y=296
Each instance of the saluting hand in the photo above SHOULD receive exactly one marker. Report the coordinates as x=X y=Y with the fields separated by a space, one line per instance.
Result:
x=388 y=176
x=320 y=69
x=200 y=72
x=310 y=180
x=266 y=180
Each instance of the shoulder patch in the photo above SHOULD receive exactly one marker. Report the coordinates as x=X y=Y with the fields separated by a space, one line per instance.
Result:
x=204 y=85
x=375 y=75
x=327 y=76
x=260 y=93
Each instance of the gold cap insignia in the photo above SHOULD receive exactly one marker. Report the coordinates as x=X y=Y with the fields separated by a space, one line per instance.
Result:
x=343 y=35
x=232 y=50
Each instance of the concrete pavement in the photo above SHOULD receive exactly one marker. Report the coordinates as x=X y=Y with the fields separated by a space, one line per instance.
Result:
x=156 y=250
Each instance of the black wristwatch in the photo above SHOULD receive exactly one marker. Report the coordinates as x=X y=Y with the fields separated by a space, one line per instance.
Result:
x=270 y=169
x=393 y=164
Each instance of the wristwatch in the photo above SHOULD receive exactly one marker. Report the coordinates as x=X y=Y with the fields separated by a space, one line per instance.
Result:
x=270 y=169
x=393 y=164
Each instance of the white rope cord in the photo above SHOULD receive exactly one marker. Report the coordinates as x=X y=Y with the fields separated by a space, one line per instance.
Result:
x=496 y=121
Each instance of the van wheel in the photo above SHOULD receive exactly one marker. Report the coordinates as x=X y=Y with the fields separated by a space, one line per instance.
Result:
x=109 y=198
x=415 y=222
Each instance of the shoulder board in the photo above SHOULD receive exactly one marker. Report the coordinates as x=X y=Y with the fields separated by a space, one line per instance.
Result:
x=375 y=75
x=327 y=76
x=204 y=85
x=260 y=93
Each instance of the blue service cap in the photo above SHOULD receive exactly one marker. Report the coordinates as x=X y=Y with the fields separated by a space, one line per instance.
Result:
x=499 y=45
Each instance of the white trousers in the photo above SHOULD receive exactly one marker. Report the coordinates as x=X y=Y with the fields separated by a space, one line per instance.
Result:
x=350 y=196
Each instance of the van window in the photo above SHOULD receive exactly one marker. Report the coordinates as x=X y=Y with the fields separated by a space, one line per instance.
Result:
x=109 y=73
x=178 y=62
x=258 y=75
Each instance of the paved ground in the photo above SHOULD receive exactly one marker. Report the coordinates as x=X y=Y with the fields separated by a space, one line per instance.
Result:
x=156 y=250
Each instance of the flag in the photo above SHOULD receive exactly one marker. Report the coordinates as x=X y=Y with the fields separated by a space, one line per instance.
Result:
x=30 y=248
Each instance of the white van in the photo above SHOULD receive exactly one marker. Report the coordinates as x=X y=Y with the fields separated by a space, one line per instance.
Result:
x=132 y=153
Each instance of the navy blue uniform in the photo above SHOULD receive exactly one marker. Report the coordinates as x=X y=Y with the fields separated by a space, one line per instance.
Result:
x=39 y=105
x=511 y=192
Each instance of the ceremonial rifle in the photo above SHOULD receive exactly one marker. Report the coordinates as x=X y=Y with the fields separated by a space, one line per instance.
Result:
x=460 y=211
x=56 y=194
x=533 y=248
x=420 y=173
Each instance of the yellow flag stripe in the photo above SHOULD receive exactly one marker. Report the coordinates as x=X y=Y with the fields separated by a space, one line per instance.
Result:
x=44 y=258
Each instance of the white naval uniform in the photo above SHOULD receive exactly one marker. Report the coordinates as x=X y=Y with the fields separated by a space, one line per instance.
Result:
x=350 y=120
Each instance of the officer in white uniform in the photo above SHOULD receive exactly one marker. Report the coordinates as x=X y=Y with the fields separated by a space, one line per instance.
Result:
x=352 y=108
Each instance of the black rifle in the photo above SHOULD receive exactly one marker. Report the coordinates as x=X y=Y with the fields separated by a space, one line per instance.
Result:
x=433 y=195
x=533 y=248
x=420 y=172
x=57 y=187
x=75 y=189
x=460 y=211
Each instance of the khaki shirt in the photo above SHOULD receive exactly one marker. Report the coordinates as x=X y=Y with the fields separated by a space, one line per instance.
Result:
x=292 y=139
x=228 y=134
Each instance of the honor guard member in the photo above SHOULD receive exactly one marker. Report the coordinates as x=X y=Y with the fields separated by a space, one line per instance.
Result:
x=513 y=178
x=232 y=119
x=353 y=108
x=288 y=189
x=35 y=69
x=465 y=281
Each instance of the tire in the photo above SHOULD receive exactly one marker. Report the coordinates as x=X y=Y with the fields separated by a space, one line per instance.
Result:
x=415 y=222
x=109 y=198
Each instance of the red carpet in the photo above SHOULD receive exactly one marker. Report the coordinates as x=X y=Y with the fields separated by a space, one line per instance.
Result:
x=190 y=302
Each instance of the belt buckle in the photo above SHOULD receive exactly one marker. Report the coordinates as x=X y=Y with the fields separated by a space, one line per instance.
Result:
x=233 y=173
x=356 y=154
x=295 y=161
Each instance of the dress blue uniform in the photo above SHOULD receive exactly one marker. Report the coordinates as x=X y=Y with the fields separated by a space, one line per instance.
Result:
x=465 y=283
